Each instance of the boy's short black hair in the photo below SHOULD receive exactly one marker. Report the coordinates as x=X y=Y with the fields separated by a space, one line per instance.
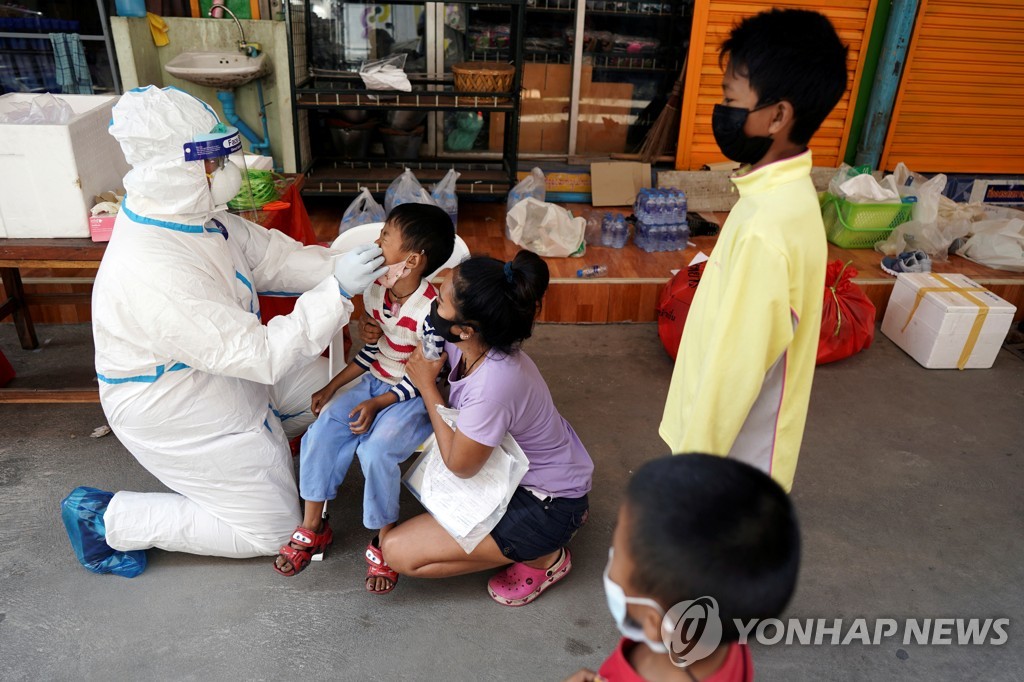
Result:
x=713 y=526
x=793 y=55
x=425 y=228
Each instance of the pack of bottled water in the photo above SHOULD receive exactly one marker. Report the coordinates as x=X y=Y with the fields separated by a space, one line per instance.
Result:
x=661 y=220
x=614 y=230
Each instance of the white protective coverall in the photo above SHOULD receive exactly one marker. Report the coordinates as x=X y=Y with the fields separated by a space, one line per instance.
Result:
x=202 y=394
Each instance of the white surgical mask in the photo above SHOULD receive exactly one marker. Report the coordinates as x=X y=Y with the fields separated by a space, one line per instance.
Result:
x=617 y=603
x=225 y=183
x=396 y=271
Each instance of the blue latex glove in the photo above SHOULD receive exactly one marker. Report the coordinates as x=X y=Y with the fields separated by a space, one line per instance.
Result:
x=358 y=268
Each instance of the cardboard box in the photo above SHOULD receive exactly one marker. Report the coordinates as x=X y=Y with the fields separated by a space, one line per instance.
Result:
x=946 y=321
x=616 y=183
x=51 y=172
x=544 y=114
x=606 y=112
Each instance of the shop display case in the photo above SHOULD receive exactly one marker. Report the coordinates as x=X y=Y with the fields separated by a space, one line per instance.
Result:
x=600 y=94
x=352 y=136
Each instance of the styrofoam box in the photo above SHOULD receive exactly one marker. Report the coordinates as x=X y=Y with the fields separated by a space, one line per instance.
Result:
x=52 y=172
x=938 y=331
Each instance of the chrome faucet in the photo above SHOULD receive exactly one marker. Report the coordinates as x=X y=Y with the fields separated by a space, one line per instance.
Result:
x=244 y=47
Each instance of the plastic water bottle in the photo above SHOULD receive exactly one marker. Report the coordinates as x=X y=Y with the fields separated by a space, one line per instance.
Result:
x=592 y=271
x=621 y=232
x=606 y=229
x=672 y=239
x=640 y=207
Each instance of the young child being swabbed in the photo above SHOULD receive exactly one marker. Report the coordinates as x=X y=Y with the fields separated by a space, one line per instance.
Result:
x=691 y=528
x=381 y=417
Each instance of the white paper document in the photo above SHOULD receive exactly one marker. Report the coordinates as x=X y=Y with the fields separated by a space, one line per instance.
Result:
x=468 y=508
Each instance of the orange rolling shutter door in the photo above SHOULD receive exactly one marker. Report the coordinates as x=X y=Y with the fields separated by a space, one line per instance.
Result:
x=960 y=106
x=712 y=21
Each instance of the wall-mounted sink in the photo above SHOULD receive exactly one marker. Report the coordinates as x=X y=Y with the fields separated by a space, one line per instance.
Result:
x=218 y=69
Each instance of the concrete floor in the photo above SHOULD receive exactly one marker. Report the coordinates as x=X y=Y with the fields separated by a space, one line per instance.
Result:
x=908 y=492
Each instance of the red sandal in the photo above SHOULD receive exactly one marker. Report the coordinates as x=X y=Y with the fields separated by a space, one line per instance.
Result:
x=376 y=567
x=310 y=543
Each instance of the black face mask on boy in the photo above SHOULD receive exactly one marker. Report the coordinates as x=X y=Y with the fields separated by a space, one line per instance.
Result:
x=442 y=326
x=727 y=125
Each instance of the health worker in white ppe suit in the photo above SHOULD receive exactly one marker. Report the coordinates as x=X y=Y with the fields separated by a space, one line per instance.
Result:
x=195 y=387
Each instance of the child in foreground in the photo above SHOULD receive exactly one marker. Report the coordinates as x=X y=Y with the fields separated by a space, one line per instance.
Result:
x=693 y=528
x=382 y=416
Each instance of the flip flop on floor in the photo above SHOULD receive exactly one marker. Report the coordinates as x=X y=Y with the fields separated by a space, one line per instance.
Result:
x=376 y=567
x=518 y=585
x=309 y=543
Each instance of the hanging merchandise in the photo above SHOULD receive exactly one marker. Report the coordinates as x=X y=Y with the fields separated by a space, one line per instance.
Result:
x=847 y=315
x=363 y=209
x=444 y=195
x=532 y=185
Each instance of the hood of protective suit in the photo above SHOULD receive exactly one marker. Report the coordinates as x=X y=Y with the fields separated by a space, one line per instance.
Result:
x=152 y=127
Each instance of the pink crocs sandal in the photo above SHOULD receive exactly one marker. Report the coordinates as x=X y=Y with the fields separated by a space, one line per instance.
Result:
x=518 y=585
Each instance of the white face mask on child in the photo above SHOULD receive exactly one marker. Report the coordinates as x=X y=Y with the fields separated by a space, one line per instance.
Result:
x=617 y=603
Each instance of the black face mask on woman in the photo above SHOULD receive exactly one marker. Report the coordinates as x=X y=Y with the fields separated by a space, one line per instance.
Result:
x=727 y=125
x=441 y=326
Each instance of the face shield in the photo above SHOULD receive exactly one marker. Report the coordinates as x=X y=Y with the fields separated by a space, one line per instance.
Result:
x=220 y=151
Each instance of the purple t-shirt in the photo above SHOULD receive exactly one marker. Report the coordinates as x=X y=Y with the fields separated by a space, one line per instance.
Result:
x=506 y=393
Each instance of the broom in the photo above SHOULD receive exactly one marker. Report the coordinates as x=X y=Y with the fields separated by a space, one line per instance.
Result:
x=658 y=137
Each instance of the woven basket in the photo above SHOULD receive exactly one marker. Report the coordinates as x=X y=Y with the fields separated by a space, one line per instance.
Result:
x=483 y=76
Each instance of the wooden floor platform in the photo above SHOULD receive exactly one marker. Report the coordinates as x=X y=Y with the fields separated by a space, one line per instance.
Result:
x=628 y=294
x=635 y=278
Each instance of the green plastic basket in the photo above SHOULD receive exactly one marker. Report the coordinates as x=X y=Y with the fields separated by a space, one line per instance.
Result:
x=860 y=226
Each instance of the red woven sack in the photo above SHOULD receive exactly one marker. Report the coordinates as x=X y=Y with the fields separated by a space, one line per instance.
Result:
x=6 y=371
x=674 y=306
x=847 y=315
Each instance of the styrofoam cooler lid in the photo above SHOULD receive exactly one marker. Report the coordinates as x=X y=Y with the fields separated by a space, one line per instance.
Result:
x=941 y=291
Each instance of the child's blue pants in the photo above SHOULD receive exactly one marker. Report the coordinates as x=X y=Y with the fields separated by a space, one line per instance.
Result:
x=329 y=445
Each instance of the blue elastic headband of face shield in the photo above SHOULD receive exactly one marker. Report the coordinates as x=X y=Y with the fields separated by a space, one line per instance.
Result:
x=222 y=141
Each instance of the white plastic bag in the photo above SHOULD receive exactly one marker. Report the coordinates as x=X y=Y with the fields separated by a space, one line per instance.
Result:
x=386 y=74
x=405 y=189
x=470 y=508
x=443 y=194
x=40 y=110
x=545 y=229
x=996 y=244
x=857 y=185
x=363 y=209
x=924 y=232
x=530 y=186
x=932 y=238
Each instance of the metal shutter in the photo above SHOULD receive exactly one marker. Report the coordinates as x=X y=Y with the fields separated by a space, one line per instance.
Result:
x=960 y=107
x=712 y=21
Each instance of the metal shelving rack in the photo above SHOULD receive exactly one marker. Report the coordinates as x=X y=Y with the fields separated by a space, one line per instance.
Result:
x=481 y=174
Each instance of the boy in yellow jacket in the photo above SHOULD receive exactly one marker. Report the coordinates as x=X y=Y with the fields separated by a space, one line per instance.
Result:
x=742 y=379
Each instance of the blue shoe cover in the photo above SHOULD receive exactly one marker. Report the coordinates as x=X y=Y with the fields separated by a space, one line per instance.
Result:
x=82 y=513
